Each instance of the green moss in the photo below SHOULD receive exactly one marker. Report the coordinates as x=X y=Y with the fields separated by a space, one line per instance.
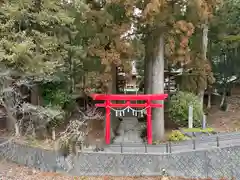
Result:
x=207 y=130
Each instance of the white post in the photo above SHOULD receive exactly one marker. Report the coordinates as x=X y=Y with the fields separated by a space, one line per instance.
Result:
x=204 y=121
x=190 y=117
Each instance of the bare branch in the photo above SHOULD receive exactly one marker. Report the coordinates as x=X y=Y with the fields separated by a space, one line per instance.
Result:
x=91 y=114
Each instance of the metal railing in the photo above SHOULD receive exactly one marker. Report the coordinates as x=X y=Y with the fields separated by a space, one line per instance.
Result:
x=198 y=143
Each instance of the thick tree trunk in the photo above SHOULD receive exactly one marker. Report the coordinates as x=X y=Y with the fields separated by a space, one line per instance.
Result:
x=158 y=88
x=147 y=75
x=148 y=64
x=209 y=88
x=204 y=53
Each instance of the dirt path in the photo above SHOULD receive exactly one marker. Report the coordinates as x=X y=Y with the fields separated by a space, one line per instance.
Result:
x=10 y=171
x=226 y=120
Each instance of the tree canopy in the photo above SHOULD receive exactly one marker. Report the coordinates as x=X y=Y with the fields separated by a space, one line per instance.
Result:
x=224 y=44
x=79 y=43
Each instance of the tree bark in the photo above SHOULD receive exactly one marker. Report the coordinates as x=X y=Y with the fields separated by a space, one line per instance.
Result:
x=12 y=122
x=204 y=53
x=209 y=98
x=148 y=64
x=223 y=97
x=53 y=134
x=158 y=88
x=205 y=39
x=209 y=88
x=9 y=102
x=201 y=96
x=35 y=98
x=147 y=75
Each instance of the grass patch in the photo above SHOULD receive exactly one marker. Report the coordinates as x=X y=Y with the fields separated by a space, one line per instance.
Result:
x=207 y=130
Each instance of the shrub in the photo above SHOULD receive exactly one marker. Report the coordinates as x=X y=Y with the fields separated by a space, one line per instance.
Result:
x=178 y=109
x=176 y=136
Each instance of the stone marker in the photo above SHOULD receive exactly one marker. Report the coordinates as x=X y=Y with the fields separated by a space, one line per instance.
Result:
x=204 y=121
x=190 y=116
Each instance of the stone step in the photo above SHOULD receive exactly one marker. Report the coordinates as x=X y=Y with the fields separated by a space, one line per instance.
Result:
x=129 y=131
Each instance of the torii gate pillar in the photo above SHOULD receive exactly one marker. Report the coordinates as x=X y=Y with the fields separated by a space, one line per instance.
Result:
x=148 y=98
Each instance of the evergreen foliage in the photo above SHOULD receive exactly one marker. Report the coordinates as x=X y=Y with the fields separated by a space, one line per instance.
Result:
x=179 y=109
x=80 y=42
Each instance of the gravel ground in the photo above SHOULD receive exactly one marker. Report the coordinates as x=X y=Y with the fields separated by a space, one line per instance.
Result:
x=10 y=171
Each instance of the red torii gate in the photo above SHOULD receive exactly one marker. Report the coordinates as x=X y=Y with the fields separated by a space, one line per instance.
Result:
x=117 y=97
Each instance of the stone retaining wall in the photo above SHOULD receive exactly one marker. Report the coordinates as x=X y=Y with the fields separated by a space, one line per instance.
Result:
x=216 y=163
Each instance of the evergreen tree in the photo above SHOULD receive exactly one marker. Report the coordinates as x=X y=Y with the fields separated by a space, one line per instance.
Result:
x=30 y=31
x=31 y=43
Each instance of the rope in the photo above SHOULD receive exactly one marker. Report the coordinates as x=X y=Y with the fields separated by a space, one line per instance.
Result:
x=135 y=112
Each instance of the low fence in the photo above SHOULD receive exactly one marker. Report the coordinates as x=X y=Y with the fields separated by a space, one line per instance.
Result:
x=214 y=162
x=197 y=143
